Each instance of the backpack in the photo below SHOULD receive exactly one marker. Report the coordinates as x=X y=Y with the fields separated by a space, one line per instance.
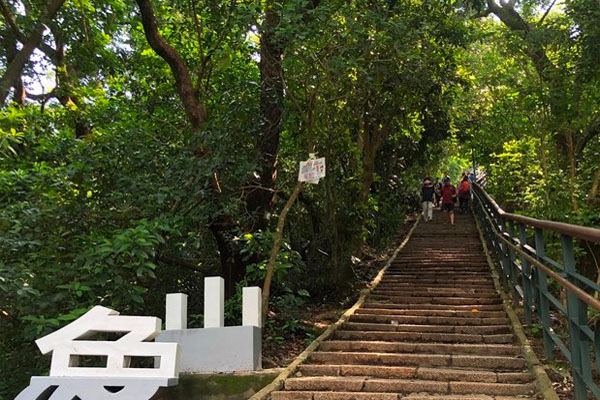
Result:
x=464 y=187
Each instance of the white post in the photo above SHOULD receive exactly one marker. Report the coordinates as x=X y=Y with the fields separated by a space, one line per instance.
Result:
x=214 y=302
x=176 y=315
x=252 y=306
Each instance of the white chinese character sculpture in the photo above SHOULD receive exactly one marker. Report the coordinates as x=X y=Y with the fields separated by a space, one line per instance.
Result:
x=216 y=347
x=119 y=379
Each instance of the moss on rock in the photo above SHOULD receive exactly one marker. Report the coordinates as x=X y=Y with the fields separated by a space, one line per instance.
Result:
x=217 y=387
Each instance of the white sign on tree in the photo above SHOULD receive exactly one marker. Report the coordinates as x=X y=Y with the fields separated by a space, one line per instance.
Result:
x=312 y=170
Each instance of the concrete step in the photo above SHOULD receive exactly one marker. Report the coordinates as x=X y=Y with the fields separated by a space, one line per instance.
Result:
x=423 y=373
x=406 y=386
x=468 y=292
x=465 y=313
x=425 y=320
x=303 y=395
x=417 y=285
x=436 y=300
x=493 y=363
x=506 y=350
x=433 y=329
x=343 y=334
x=462 y=329
x=444 y=307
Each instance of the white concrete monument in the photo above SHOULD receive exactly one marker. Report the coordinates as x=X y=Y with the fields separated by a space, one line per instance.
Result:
x=120 y=378
x=214 y=302
x=176 y=311
x=216 y=347
x=252 y=306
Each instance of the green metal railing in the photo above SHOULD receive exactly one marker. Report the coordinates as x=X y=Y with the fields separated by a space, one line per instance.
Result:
x=519 y=246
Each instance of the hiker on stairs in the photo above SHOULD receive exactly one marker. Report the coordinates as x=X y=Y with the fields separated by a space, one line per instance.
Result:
x=437 y=192
x=448 y=198
x=464 y=194
x=427 y=192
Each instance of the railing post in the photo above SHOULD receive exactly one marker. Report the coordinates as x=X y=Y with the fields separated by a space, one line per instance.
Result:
x=494 y=242
x=577 y=314
x=527 y=278
x=512 y=268
x=544 y=304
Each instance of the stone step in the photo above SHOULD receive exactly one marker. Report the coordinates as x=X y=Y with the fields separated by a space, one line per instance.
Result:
x=433 y=278
x=427 y=278
x=436 y=300
x=422 y=348
x=304 y=395
x=437 y=292
x=361 y=384
x=423 y=329
x=440 y=307
x=429 y=272
x=417 y=285
x=433 y=283
x=444 y=266
x=493 y=363
x=435 y=328
x=343 y=334
x=461 y=397
x=443 y=261
x=433 y=374
x=425 y=320
x=426 y=253
x=472 y=329
x=467 y=313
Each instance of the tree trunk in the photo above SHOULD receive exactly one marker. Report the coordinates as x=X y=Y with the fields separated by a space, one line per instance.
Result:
x=15 y=68
x=340 y=263
x=544 y=161
x=595 y=186
x=261 y=202
x=572 y=170
x=66 y=93
x=10 y=43
x=275 y=249
x=222 y=228
x=194 y=108
x=271 y=111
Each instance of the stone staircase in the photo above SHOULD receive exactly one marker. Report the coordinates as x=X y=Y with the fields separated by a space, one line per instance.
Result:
x=433 y=329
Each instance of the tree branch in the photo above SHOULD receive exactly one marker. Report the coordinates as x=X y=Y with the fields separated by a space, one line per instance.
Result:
x=275 y=249
x=42 y=97
x=15 y=68
x=482 y=14
x=547 y=12
x=591 y=132
x=194 y=109
x=10 y=20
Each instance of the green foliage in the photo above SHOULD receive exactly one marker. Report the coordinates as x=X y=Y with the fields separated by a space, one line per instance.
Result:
x=258 y=246
x=519 y=182
x=106 y=199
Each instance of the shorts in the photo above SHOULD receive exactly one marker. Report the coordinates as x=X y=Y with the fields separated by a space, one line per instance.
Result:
x=448 y=207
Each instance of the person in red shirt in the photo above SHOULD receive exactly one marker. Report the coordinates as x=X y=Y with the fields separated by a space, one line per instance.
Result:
x=448 y=196
x=464 y=193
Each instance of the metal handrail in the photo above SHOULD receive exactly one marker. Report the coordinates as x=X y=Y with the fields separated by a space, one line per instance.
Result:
x=583 y=295
x=579 y=232
x=526 y=268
